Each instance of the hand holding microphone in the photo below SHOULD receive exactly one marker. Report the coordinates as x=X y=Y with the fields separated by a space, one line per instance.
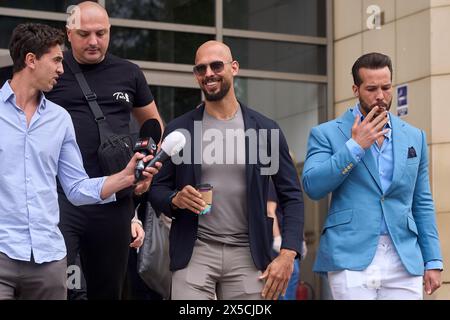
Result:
x=171 y=145
x=149 y=137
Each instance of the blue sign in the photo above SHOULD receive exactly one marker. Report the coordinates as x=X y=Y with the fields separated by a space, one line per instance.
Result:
x=402 y=96
x=402 y=100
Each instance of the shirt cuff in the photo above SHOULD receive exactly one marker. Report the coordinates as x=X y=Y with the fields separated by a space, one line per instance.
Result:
x=355 y=149
x=434 y=264
x=111 y=198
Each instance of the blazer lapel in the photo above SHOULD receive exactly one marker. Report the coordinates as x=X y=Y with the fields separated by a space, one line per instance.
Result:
x=196 y=137
x=345 y=124
x=249 y=122
x=400 y=150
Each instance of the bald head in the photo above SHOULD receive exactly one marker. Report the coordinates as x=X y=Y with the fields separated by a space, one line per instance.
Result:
x=91 y=5
x=93 y=9
x=213 y=47
x=88 y=32
x=85 y=12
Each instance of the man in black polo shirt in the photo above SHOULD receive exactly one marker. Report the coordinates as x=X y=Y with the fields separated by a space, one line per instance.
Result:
x=101 y=234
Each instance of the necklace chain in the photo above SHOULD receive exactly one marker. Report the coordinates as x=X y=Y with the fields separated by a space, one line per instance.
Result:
x=233 y=115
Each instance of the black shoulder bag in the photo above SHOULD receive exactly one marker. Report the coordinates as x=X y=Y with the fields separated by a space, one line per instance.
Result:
x=115 y=150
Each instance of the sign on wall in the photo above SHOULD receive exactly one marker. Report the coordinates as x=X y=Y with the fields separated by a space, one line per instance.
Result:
x=402 y=100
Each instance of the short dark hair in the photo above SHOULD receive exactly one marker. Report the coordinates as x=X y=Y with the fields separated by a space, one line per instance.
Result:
x=34 y=38
x=372 y=60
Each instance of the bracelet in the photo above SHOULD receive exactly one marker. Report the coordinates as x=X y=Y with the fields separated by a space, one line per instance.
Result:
x=140 y=193
x=139 y=222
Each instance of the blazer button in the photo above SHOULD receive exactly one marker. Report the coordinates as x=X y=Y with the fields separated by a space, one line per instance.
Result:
x=382 y=199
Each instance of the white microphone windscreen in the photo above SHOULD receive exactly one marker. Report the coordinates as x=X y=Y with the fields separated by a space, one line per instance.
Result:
x=173 y=143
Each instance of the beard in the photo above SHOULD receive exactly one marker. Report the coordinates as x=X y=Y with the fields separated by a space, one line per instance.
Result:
x=216 y=96
x=382 y=107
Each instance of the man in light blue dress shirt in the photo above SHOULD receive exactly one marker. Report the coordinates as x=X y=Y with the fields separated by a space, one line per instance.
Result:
x=380 y=239
x=37 y=143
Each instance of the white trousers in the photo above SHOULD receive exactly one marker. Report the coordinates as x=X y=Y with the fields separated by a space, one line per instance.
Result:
x=384 y=279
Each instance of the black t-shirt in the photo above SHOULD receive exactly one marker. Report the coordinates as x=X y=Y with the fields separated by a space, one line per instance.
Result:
x=119 y=85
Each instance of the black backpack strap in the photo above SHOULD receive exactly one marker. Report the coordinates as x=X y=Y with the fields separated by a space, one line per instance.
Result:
x=91 y=98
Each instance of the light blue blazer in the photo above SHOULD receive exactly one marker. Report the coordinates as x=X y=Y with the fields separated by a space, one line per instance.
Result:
x=350 y=234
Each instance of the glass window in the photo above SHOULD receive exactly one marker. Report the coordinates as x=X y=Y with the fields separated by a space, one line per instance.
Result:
x=196 y=12
x=305 y=17
x=172 y=102
x=7 y=25
x=47 y=5
x=153 y=45
x=5 y=74
x=278 y=56
x=296 y=106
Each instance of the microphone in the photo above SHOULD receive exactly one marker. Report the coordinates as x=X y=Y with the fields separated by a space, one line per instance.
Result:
x=149 y=137
x=170 y=146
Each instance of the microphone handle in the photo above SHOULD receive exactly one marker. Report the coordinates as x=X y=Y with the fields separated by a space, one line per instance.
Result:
x=140 y=166
x=159 y=157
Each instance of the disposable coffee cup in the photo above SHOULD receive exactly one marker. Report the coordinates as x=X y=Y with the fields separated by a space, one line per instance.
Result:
x=206 y=190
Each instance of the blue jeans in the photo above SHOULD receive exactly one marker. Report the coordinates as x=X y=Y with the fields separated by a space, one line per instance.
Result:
x=291 y=291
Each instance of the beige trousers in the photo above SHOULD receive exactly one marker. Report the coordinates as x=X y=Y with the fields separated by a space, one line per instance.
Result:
x=218 y=271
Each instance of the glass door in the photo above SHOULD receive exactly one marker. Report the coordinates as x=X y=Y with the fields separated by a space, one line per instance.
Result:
x=172 y=102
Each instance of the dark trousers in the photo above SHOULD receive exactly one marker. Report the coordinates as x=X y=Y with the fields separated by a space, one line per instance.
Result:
x=101 y=235
x=135 y=288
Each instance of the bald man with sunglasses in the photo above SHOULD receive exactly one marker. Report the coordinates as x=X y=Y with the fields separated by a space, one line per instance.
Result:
x=226 y=254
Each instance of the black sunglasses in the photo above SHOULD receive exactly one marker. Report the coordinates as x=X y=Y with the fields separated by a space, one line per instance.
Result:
x=216 y=67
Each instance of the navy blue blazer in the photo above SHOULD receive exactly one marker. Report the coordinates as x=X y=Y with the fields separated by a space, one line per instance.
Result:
x=173 y=177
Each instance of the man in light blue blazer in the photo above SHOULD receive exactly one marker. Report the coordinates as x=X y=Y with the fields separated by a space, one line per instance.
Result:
x=380 y=239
